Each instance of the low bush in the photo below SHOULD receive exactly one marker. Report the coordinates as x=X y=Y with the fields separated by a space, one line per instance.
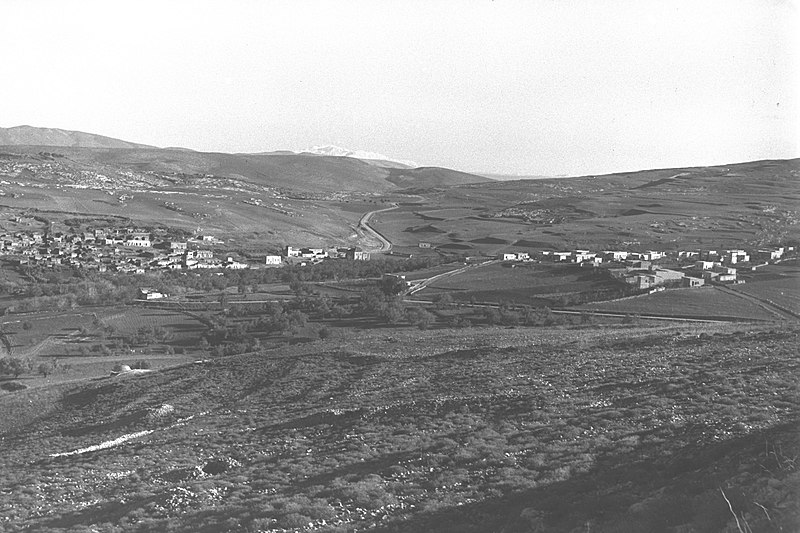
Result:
x=13 y=386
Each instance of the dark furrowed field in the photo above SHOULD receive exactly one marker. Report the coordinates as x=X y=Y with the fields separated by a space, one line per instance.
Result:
x=622 y=427
x=708 y=302
x=531 y=283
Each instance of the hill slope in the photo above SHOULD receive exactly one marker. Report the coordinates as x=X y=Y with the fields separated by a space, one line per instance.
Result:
x=728 y=206
x=29 y=135
x=431 y=177
x=485 y=430
x=303 y=172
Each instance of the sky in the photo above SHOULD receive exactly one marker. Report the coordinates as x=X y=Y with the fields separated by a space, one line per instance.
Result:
x=534 y=87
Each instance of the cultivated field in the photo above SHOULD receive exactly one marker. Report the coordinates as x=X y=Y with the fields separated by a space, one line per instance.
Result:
x=777 y=284
x=703 y=302
x=91 y=342
x=784 y=293
x=529 y=284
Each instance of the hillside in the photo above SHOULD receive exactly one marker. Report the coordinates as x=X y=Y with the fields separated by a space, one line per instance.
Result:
x=265 y=199
x=431 y=177
x=309 y=172
x=29 y=135
x=755 y=203
x=624 y=428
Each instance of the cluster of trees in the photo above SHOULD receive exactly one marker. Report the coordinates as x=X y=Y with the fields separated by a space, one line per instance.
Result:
x=15 y=367
x=56 y=293
x=67 y=288
x=149 y=335
x=271 y=318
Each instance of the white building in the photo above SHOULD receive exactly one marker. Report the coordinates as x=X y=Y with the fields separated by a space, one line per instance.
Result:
x=139 y=241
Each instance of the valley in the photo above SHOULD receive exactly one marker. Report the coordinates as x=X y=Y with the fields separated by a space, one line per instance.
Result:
x=276 y=342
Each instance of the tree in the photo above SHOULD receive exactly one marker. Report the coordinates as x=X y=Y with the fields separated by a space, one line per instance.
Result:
x=392 y=285
x=11 y=366
x=371 y=302
x=443 y=301
x=299 y=288
x=44 y=369
x=393 y=311
x=420 y=317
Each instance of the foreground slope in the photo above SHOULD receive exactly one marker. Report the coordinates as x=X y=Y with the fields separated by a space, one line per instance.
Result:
x=621 y=428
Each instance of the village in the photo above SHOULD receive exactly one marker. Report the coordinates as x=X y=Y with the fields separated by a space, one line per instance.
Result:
x=138 y=251
x=648 y=270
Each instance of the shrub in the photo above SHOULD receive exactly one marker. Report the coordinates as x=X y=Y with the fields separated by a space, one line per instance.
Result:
x=12 y=386
x=44 y=369
x=141 y=364
x=296 y=520
x=420 y=317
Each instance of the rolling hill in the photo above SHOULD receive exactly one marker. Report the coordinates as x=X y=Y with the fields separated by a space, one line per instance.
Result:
x=29 y=135
x=431 y=177
x=755 y=203
x=84 y=152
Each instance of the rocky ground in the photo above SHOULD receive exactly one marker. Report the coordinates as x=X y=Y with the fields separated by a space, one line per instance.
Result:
x=601 y=428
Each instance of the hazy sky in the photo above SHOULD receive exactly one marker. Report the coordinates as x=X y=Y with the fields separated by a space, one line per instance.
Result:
x=531 y=87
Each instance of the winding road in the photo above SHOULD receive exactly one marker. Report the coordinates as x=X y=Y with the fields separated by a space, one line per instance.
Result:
x=363 y=224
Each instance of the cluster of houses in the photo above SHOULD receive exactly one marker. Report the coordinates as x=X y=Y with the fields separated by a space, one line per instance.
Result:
x=639 y=269
x=303 y=256
x=129 y=251
x=136 y=252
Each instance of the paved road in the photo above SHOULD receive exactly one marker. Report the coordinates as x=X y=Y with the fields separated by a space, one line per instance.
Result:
x=364 y=225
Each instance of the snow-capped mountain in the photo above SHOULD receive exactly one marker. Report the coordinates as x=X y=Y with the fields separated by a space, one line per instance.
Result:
x=338 y=151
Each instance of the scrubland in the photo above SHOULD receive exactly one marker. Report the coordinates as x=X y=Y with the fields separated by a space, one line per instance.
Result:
x=601 y=428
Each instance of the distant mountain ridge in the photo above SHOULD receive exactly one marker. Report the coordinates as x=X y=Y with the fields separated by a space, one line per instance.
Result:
x=328 y=169
x=338 y=151
x=33 y=136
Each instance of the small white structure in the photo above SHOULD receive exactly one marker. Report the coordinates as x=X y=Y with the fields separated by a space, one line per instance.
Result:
x=704 y=265
x=150 y=294
x=231 y=264
x=615 y=255
x=139 y=241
